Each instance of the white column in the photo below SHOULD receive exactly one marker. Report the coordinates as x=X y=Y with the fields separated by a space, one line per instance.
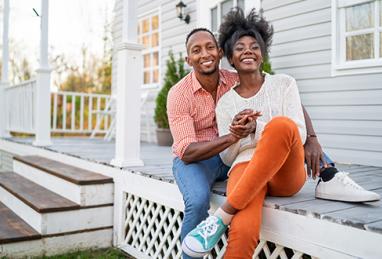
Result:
x=129 y=82
x=42 y=101
x=4 y=72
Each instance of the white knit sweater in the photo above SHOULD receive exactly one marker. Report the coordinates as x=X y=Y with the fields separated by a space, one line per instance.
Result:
x=278 y=96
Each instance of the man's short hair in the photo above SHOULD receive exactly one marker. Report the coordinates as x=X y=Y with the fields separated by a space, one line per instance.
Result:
x=198 y=30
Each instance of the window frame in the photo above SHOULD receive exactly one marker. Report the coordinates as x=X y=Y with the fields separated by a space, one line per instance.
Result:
x=205 y=6
x=339 y=64
x=151 y=50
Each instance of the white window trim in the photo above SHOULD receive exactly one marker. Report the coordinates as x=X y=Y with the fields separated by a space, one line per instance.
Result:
x=156 y=11
x=204 y=14
x=339 y=65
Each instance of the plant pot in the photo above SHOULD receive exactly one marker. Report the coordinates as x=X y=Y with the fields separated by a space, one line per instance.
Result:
x=164 y=137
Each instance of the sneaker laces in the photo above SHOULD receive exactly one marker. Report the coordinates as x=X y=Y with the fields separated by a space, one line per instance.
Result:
x=344 y=178
x=208 y=228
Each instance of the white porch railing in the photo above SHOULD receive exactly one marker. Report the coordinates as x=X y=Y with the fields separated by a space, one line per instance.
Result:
x=79 y=112
x=71 y=112
x=20 y=107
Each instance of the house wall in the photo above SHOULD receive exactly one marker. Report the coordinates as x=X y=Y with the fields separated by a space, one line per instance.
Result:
x=172 y=36
x=346 y=110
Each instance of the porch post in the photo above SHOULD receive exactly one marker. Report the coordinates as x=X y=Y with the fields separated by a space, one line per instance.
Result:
x=4 y=73
x=129 y=82
x=42 y=99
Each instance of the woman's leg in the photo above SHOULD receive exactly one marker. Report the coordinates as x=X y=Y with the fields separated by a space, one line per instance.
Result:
x=279 y=150
x=278 y=161
x=245 y=225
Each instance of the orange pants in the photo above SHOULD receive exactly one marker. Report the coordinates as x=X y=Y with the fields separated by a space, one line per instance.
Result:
x=277 y=169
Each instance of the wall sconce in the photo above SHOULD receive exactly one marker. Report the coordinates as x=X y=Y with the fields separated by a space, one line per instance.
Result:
x=180 y=12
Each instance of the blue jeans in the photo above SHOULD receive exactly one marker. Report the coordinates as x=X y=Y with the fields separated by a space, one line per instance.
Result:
x=328 y=161
x=195 y=181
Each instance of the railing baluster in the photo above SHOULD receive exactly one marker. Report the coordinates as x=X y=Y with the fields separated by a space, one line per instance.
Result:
x=106 y=120
x=98 y=110
x=73 y=112
x=64 y=111
x=55 y=96
x=82 y=113
x=90 y=115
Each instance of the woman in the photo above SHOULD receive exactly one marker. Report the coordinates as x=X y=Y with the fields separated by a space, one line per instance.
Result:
x=268 y=161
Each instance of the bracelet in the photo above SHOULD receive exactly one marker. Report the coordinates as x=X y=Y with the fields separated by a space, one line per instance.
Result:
x=312 y=136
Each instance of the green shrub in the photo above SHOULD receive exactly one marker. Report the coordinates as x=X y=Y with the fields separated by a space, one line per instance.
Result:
x=174 y=72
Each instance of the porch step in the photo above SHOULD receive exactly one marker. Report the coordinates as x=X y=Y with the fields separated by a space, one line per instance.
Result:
x=48 y=212
x=13 y=228
x=78 y=185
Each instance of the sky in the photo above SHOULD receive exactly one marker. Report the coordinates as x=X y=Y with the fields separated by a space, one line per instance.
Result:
x=72 y=24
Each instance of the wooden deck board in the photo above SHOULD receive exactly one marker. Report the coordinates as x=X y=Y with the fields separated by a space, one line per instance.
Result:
x=67 y=172
x=158 y=164
x=36 y=196
x=13 y=228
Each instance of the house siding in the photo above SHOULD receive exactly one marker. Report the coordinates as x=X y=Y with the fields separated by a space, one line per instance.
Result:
x=346 y=110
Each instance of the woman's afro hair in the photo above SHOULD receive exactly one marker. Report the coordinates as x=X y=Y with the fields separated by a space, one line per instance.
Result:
x=235 y=25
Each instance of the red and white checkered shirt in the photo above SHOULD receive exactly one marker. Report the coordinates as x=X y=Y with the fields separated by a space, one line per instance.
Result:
x=191 y=110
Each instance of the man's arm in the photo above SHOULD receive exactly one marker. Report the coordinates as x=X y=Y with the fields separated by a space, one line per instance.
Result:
x=312 y=148
x=203 y=150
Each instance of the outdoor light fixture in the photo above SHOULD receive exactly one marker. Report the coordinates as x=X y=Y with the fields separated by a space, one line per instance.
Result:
x=180 y=12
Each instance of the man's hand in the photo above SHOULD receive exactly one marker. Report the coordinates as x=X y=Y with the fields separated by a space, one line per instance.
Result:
x=244 y=123
x=313 y=156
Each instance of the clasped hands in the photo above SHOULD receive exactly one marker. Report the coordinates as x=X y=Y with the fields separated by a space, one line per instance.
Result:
x=244 y=123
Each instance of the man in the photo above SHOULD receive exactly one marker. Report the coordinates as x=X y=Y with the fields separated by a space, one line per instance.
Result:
x=191 y=112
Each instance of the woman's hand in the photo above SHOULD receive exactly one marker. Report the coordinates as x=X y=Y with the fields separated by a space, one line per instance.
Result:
x=244 y=123
x=313 y=156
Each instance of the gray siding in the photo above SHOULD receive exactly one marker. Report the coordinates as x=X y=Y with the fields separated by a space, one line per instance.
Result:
x=172 y=37
x=346 y=110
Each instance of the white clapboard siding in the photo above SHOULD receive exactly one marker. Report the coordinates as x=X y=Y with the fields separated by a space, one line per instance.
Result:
x=297 y=21
x=355 y=113
x=348 y=98
x=301 y=33
x=301 y=46
x=346 y=127
x=296 y=8
x=317 y=58
x=346 y=110
x=342 y=83
x=306 y=72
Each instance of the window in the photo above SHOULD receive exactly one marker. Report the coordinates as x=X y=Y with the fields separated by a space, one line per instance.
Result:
x=221 y=8
x=358 y=36
x=148 y=36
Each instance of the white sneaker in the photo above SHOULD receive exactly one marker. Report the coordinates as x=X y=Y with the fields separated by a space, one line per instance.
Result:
x=342 y=188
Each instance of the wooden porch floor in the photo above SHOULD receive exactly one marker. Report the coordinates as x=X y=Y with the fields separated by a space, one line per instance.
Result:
x=158 y=162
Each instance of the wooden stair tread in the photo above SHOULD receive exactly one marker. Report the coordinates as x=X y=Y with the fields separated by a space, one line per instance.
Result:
x=13 y=228
x=36 y=196
x=67 y=172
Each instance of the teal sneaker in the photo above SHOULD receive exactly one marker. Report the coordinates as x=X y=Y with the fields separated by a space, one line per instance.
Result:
x=204 y=237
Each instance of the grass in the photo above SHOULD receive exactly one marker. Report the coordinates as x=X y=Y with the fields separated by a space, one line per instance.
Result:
x=110 y=253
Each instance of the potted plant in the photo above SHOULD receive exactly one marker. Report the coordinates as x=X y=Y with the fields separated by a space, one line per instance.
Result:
x=174 y=72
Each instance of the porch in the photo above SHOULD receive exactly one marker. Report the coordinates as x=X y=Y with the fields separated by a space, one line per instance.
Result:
x=148 y=206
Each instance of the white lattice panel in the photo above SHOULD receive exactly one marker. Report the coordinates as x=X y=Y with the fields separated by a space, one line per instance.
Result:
x=153 y=229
